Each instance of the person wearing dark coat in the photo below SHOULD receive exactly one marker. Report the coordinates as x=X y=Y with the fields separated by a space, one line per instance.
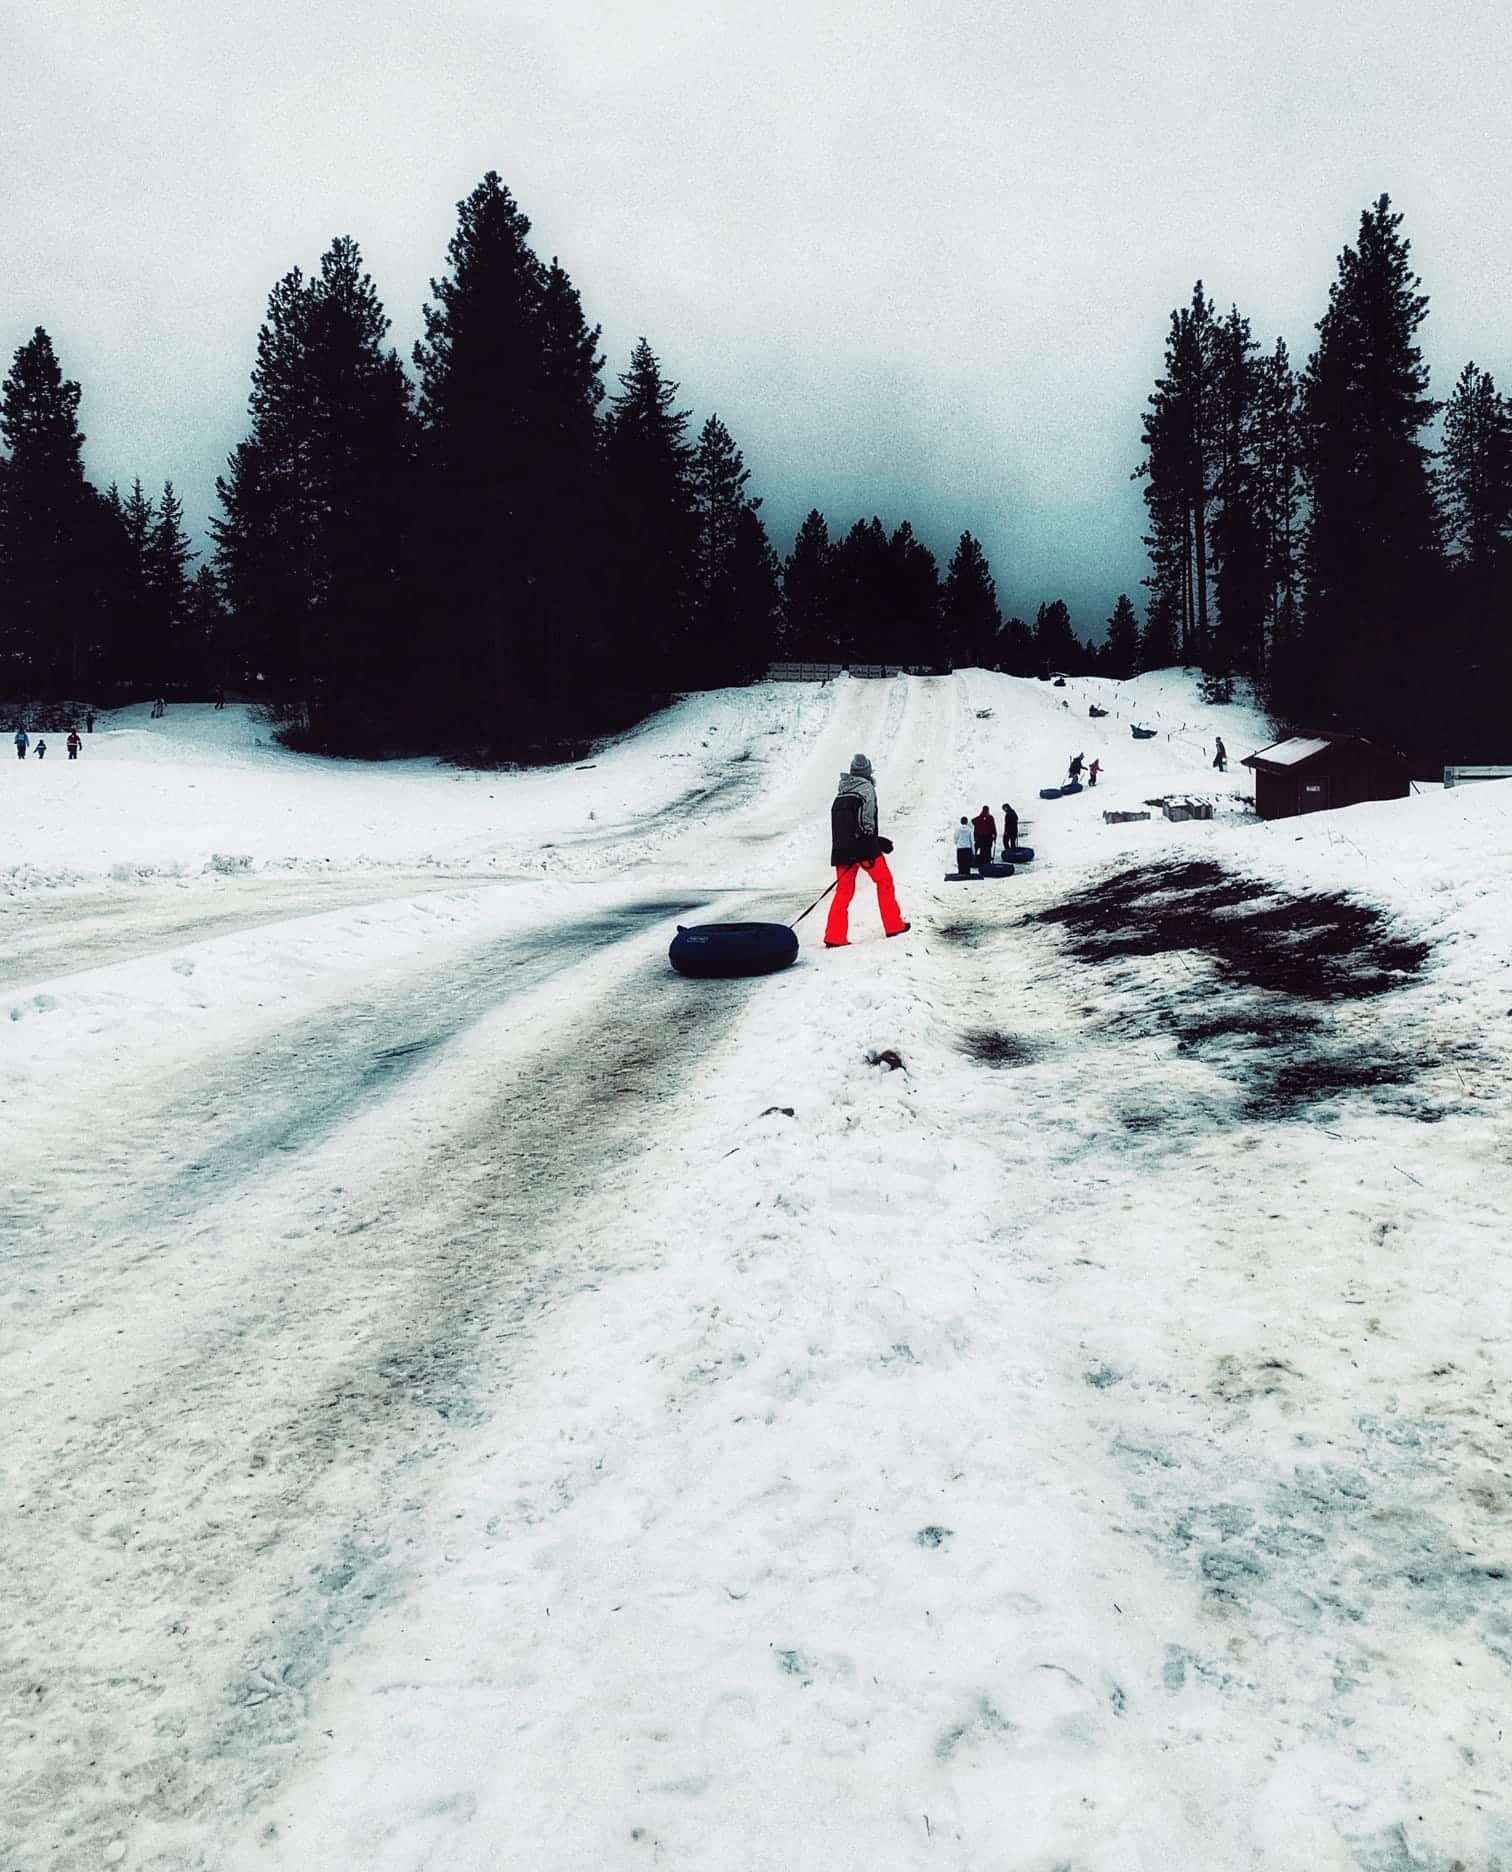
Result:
x=1073 y=772
x=1220 y=756
x=1010 y=828
x=984 y=830
x=856 y=845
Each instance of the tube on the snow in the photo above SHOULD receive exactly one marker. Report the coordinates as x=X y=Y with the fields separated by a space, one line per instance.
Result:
x=722 y=950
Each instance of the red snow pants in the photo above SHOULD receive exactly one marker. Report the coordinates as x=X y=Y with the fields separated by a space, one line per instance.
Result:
x=835 y=930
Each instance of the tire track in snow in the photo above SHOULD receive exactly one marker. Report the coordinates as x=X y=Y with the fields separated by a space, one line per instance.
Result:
x=186 y=1562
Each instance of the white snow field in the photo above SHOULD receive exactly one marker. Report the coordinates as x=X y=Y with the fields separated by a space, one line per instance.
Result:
x=473 y=1399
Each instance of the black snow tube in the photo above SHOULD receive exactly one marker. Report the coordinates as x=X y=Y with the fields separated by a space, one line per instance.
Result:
x=1050 y=792
x=1019 y=854
x=727 y=949
x=1071 y=786
x=997 y=870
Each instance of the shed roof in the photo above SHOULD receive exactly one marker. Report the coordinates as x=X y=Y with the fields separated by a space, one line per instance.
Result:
x=1287 y=753
x=1296 y=749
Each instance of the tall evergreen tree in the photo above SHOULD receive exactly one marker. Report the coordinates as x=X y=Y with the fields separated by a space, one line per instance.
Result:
x=168 y=557
x=1277 y=497
x=861 y=588
x=310 y=542
x=1373 y=548
x=1177 y=472
x=133 y=635
x=1235 y=645
x=650 y=470
x=718 y=482
x=907 y=619
x=807 y=592
x=1476 y=483
x=1158 y=648
x=509 y=375
x=1120 y=658
x=970 y=617
x=1017 y=652
x=1056 y=647
x=756 y=596
x=53 y=529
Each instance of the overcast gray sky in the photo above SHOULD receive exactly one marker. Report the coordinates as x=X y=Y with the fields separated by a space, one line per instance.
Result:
x=918 y=254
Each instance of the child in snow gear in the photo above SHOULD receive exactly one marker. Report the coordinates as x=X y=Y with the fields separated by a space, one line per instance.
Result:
x=1093 y=771
x=41 y=750
x=984 y=826
x=73 y=744
x=23 y=741
x=1220 y=757
x=856 y=846
x=963 y=846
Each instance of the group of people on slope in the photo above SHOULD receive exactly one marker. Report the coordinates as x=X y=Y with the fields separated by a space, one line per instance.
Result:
x=23 y=742
x=976 y=839
x=1074 y=770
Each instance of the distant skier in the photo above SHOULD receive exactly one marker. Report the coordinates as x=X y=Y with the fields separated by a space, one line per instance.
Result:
x=855 y=846
x=41 y=749
x=73 y=744
x=1010 y=828
x=220 y=698
x=1220 y=756
x=963 y=846
x=89 y=722
x=1093 y=771
x=23 y=742
x=984 y=828
x=1074 y=771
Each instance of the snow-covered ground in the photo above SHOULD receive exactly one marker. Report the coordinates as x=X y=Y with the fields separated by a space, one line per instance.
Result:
x=474 y=1399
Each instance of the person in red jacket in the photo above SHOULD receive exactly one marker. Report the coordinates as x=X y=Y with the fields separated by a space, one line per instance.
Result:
x=856 y=846
x=984 y=831
x=73 y=744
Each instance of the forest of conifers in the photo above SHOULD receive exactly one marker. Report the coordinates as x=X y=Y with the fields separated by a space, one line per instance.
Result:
x=496 y=555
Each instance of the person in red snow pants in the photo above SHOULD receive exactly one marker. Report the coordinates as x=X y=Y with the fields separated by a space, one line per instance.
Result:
x=856 y=846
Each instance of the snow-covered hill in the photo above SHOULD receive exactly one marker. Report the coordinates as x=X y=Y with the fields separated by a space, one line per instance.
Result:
x=477 y=1399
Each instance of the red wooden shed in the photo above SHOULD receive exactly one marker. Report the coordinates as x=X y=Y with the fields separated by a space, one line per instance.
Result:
x=1318 y=772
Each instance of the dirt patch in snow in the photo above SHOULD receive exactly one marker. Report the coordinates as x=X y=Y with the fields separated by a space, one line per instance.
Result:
x=1273 y=992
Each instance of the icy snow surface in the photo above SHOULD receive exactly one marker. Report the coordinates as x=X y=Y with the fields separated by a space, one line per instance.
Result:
x=473 y=1399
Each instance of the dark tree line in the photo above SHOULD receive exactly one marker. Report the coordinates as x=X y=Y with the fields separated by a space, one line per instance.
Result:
x=1305 y=533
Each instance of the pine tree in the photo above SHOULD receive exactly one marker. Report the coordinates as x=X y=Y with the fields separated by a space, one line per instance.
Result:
x=907 y=619
x=649 y=466
x=134 y=649
x=1476 y=480
x=310 y=546
x=53 y=530
x=1236 y=643
x=167 y=559
x=1177 y=470
x=1017 y=652
x=1158 y=641
x=1056 y=647
x=1373 y=548
x=807 y=592
x=1277 y=495
x=509 y=376
x=1120 y=657
x=1477 y=473
x=970 y=620
x=862 y=595
x=756 y=596
x=718 y=481
x=204 y=648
